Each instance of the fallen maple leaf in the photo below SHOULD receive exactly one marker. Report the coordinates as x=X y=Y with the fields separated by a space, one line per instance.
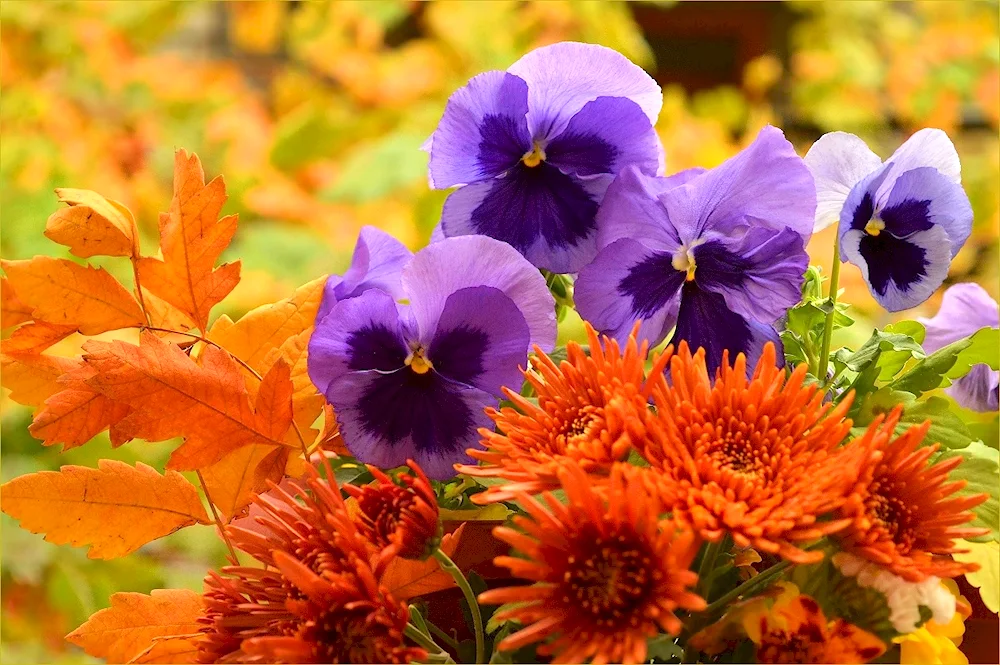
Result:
x=171 y=396
x=68 y=294
x=192 y=237
x=409 y=578
x=93 y=225
x=267 y=327
x=127 y=629
x=12 y=310
x=114 y=508
x=77 y=413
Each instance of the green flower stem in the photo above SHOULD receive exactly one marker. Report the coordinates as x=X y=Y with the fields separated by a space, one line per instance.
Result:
x=756 y=583
x=443 y=636
x=422 y=640
x=707 y=565
x=448 y=566
x=824 y=354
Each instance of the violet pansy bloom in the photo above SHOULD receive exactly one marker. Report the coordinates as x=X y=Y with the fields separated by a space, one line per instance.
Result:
x=411 y=381
x=534 y=148
x=901 y=222
x=965 y=309
x=717 y=256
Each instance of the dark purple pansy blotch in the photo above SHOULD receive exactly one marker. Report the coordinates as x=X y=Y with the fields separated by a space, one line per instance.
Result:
x=717 y=256
x=534 y=148
x=412 y=380
x=901 y=222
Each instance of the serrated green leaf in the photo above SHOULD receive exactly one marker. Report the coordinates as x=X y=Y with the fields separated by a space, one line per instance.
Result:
x=981 y=471
x=951 y=362
x=946 y=427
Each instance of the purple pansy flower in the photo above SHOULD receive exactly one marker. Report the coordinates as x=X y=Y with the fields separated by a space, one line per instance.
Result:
x=534 y=149
x=718 y=256
x=901 y=222
x=411 y=381
x=965 y=309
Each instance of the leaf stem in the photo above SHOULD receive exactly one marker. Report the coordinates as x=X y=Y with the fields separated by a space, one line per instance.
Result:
x=448 y=566
x=138 y=288
x=824 y=354
x=443 y=636
x=218 y=520
x=707 y=565
x=763 y=579
x=422 y=640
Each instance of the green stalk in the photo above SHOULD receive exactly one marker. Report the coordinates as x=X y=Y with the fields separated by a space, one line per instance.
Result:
x=448 y=566
x=824 y=354
x=756 y=583
x=422 y=640
x=707 y=565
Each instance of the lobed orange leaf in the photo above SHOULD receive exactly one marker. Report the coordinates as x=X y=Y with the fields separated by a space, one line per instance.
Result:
x=261 y=330
x=192 y=237
x=128 y=630
x=35 y=337
x=13 y=311
x=33 y=378
x=77 y=413
x=409 y=578
x=170 y=649
x=114 y=508
x=233 y=480
x=171 y=395
x=93 y=225
x=307 y=402
x=67 y=294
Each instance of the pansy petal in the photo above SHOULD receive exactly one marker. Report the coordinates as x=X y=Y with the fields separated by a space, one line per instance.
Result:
x=362 y=333
x=922 y=197
x=838 y=161
x=929 y=147
x=607 y=134
x=377 y=262
x=632 y=209
x=441 y=269
x=901 y=273
x=704 y=321
x=628 y=282
x=563 y=77
x=483 y=131
x=387 y=418
x=766 y=184
x=979 y=390
x=547 y=215
x=965 y=308
x=481 y=340
x=759 y=274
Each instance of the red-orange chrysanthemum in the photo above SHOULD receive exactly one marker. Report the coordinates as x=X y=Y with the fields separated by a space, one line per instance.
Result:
x=590 y=408
x=402 y=516
x=317 y=600
x=757 y=458
x=903 y=515
x=607 y=571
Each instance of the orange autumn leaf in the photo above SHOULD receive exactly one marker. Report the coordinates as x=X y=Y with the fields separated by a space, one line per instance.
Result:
x=12 y=310
x=192 y=237
x=267 y=327
x=234 y=479
x=33 y=378
x=77 y=413
x=170 y=649
x=67 y=294
x=93 y=225
x=127 y=630
x=307 y=402
x=172 y=395
x=409 y=578
x=35 y=337
x=115 y=508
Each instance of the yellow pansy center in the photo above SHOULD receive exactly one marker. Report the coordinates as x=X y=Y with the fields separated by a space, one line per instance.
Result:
x=418 y=362
x=874 y=227
x=683 y=260
x=535 y=156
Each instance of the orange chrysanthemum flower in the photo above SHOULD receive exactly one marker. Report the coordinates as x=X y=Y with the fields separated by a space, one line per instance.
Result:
x=317 y=600
x=903 y=515
x=757 y=458
x=405 y=517
x=590 y=409
x=608 y=573
x=798 y=632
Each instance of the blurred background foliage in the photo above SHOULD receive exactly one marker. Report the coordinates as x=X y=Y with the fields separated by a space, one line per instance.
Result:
x=314 y=113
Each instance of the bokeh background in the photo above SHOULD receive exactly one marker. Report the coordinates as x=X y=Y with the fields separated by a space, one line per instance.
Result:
x=314 y=112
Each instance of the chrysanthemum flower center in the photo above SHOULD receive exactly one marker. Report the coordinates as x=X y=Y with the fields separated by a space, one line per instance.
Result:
x=418 y=362
x=582 y=425
x=344 y=636
x=535 y=156
x=683 y=260
x=891 y=513
x=874 y=227
x=736 y=451
x=610 y=577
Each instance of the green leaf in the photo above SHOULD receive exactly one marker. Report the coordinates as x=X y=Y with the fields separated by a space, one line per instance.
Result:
x=981 y=471
x=953 y=361
x=663 y=648
x=946 y=427
x=496 y=511
x=302 y=137
x=900 y=344
x=376 y=169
